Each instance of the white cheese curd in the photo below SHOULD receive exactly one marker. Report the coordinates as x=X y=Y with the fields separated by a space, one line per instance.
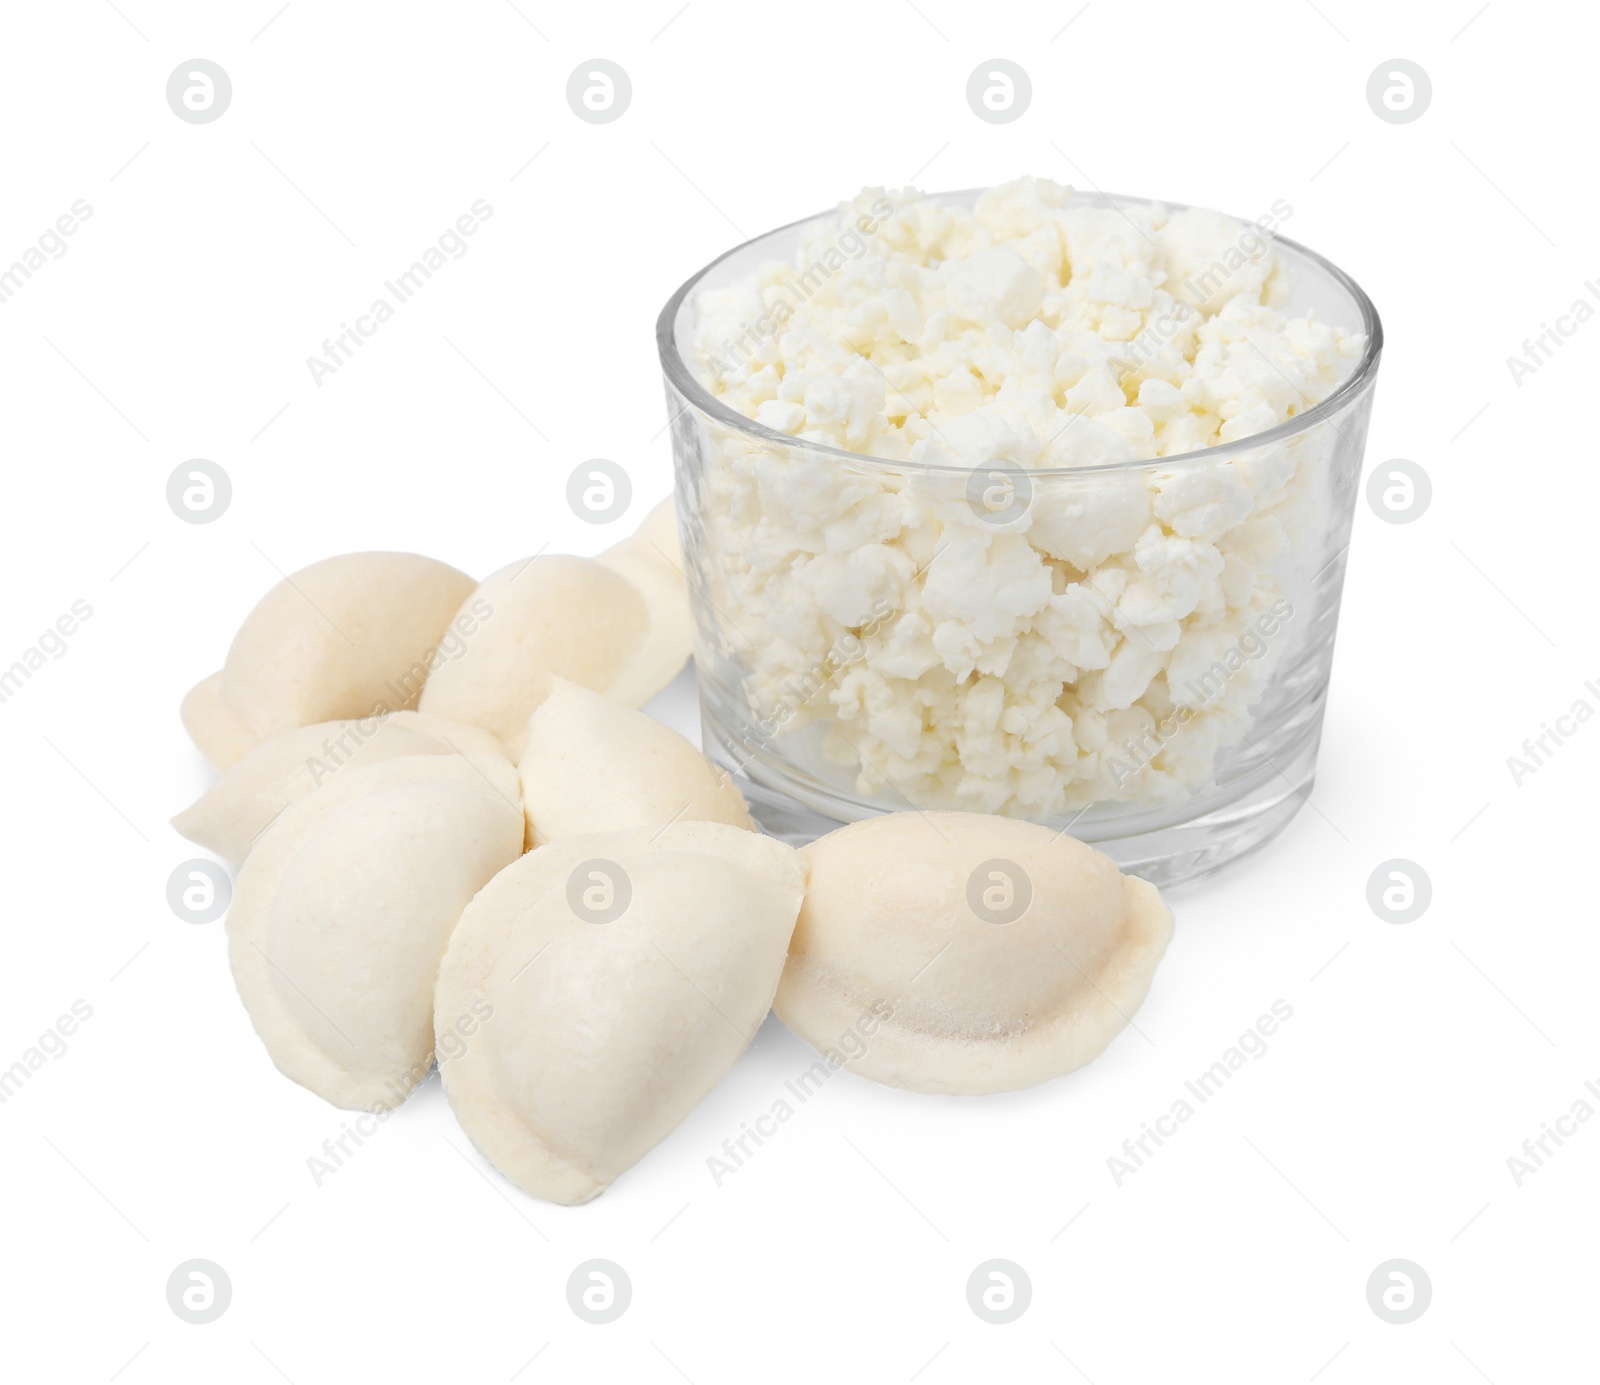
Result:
x=1106 y=640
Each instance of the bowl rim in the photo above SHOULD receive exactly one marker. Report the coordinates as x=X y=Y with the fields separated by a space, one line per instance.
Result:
x=678 y=373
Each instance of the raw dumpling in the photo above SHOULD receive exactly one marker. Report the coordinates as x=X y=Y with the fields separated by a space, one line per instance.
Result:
x=342 y=638
x=219 y=731
x=595 y=991
x=553 y=615
x=235 y=810
x=652 y=560
x=618 y=624
x=343 y=909
x=980 y=953
x=590 y=764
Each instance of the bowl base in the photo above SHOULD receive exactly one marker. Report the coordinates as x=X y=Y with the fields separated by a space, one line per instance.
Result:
x=1222 y=824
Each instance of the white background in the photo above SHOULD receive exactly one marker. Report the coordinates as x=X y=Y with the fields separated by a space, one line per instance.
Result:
x=1419 y=1057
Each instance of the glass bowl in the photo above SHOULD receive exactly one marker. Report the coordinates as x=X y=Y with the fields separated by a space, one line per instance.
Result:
x=815 y=702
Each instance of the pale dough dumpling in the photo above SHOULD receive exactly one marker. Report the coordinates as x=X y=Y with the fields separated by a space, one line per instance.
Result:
x=219 y=731
x=590 y=764
x=568 y=1047
x=553 y=615
x=618 y=624
x=980 y=953
x=652 y=560
x=340 y=638
x=235 y=810
x=343 y=909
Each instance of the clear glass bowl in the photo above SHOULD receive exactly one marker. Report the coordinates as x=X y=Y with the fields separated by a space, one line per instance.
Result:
x=1209 y=763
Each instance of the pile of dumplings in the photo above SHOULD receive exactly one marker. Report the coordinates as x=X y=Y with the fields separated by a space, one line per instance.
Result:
x=461 y=842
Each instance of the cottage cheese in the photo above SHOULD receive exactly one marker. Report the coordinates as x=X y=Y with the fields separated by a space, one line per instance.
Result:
x=1104 y=641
